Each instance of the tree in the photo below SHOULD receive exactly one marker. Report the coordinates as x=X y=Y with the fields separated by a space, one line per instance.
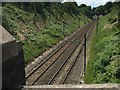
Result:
x=108 y=7
x=83 y=5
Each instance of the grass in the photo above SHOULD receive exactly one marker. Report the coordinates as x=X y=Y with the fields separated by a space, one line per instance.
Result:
x=90 y=68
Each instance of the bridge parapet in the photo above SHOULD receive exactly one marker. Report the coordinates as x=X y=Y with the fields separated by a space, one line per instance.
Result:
x=74 y=87
x=13 y=73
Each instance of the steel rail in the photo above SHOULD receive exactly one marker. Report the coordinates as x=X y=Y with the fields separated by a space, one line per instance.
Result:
x=72 y=38
x=50 y=65
x=35 y=69
x=60 y=67
x=71 y=67
x=66 y=75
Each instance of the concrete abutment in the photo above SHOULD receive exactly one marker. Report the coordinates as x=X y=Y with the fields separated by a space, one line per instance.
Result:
x=13 y=73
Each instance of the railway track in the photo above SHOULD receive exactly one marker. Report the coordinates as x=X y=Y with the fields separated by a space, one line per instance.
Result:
x=75 y=71
x=66 y=67
x=56 y=67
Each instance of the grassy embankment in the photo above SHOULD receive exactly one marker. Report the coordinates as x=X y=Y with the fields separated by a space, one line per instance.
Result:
x=39 y=34
x=104 y=62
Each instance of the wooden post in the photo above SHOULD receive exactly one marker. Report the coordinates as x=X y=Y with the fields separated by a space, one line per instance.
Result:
x=84 y=54
x=62 y=24
x=78 y=23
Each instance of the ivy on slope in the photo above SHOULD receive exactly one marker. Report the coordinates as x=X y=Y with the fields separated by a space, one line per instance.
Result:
x=104 y=64
x=107 y=60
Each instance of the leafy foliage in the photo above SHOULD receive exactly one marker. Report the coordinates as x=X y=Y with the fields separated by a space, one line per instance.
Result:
x=105 y=51
x=40 y=25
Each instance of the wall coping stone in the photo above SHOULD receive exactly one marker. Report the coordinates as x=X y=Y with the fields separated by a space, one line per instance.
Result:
x=6 y=37
x=114 y=86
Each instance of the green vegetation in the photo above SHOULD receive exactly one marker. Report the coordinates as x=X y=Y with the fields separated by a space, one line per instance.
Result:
x=104 y=63
x=41 y=25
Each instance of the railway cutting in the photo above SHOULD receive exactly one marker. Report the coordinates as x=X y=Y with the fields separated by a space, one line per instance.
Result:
x=58 y=67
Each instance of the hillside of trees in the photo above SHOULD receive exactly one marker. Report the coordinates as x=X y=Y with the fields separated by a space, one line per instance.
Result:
x=40 y=25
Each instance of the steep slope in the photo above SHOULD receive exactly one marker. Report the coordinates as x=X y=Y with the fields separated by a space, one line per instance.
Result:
x=104 y=63
x=40 y=25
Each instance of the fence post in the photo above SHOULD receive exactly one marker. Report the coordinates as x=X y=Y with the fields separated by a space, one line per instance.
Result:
x=78 y=23
x=84 y=54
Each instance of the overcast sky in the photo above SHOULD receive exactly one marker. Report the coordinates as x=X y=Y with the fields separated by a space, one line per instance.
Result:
x=92 y=3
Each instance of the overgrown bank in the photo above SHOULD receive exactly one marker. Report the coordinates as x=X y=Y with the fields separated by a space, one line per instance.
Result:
x=40 y=25
x=104 y=63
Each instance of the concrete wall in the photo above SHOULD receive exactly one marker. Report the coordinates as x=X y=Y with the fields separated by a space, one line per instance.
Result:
x=13 y=74
x=74 y=87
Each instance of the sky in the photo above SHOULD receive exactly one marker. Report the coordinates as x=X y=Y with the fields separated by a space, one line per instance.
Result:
x=92 y=3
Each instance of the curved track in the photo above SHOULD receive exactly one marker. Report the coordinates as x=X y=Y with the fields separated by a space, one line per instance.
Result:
x=56 y=67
